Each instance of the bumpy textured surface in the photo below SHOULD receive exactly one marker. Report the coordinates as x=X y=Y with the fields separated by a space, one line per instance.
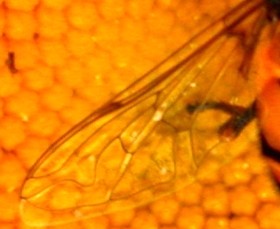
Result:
x=62 y=59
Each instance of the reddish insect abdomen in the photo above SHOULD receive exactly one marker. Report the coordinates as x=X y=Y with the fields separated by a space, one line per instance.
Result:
x=268 y=101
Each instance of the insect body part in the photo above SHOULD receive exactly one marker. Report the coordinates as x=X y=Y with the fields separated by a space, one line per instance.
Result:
x=267 y=106
x=268 y=97
x=143 y=144
x=269 y=113
x=240 y=117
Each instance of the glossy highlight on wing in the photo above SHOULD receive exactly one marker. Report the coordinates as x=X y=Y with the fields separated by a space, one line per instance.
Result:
x=143 y=144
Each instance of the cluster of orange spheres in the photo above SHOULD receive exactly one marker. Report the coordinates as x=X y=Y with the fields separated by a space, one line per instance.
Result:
x=164 y=140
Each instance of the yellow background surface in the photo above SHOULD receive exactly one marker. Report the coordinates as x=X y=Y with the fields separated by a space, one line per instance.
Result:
x=71 y=56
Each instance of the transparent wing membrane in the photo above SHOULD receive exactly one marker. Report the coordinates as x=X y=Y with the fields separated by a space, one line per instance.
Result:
x=143 y=144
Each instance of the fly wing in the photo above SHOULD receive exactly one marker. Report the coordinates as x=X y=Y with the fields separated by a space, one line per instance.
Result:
x=143 y=144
